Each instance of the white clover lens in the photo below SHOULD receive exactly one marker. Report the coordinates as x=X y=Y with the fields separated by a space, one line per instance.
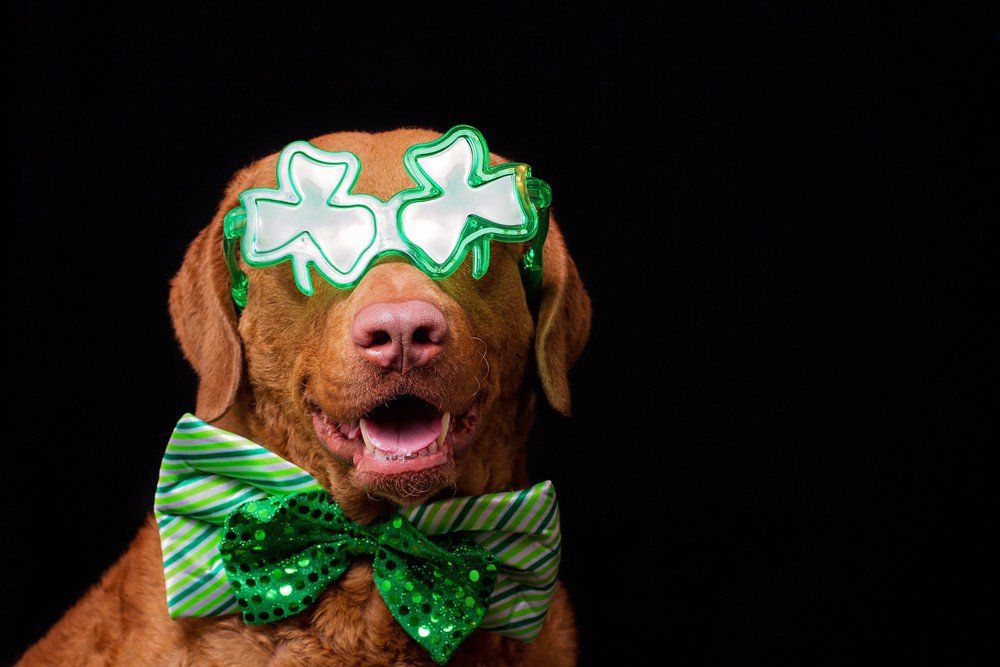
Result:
x=340 y=230
x=313 y=218
x=437 y=225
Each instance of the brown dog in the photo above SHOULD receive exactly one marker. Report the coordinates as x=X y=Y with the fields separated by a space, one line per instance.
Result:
x=292 y=371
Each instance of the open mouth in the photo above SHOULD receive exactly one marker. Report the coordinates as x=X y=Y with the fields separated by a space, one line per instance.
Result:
x=405 y=434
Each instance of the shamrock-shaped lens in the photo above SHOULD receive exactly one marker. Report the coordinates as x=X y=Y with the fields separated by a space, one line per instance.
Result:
x=466 y=205
x=312 y=217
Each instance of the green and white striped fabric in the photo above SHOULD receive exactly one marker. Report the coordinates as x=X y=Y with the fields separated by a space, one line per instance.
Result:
x=207 y=473
x=522 y=531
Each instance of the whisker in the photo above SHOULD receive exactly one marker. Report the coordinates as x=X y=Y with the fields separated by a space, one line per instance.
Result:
x=479 y=385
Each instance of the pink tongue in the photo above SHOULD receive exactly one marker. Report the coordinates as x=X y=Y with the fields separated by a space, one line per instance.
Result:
x=403 y=434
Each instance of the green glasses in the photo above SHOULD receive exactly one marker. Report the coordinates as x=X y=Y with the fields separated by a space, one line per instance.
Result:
x=460 y=203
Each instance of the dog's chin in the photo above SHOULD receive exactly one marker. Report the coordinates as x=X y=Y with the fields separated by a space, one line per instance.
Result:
x=402 y=450
x=407 y=488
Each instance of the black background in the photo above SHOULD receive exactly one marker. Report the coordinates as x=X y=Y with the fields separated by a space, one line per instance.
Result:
x=777 y=378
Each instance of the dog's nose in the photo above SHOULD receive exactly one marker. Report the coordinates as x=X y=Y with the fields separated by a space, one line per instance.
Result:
x=399 y=336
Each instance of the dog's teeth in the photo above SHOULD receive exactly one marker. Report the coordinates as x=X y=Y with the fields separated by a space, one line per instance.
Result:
x=445 y=423
x=436 y=445
x=363 y=427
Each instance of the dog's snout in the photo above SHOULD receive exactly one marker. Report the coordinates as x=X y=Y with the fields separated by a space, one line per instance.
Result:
x=399 y=336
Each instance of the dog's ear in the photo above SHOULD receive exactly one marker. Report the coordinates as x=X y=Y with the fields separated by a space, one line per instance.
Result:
x=204 y=319
x=563 y=320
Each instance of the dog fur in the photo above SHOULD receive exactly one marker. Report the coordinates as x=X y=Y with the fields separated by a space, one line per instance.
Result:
x=258 y=373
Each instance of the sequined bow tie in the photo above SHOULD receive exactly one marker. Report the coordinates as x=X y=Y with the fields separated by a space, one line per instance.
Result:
x=282 y=551
x=244 y=530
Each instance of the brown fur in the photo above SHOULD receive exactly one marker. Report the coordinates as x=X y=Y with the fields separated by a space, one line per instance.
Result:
x=256 y=373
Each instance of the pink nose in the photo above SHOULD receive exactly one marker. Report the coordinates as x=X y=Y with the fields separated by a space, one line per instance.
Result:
x=399 y=336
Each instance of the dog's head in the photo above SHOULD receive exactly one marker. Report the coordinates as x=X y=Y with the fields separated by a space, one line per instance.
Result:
x=398 y=389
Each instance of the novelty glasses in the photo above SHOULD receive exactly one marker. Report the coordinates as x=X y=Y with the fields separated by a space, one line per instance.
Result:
x=460 y=203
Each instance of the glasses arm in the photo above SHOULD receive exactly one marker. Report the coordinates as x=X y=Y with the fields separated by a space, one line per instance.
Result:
x=540 y=195
x=234 y=224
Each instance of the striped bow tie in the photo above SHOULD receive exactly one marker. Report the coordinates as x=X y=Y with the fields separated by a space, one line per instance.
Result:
x=243 y=530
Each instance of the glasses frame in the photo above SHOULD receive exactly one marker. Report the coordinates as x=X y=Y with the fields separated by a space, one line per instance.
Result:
x=533 y=195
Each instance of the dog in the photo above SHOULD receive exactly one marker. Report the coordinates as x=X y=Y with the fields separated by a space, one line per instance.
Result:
x=290 y=370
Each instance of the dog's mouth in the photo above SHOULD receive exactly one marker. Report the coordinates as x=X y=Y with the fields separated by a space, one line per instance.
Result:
x=403 y=435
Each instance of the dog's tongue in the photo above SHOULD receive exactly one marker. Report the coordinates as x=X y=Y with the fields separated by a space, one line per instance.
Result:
x=402 y=427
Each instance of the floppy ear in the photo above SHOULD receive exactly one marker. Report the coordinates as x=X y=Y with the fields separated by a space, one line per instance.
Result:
x=204 y=319
x=563 y=320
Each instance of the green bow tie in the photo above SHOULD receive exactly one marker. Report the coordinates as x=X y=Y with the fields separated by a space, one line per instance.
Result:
x=280 y=553
x=241 y=527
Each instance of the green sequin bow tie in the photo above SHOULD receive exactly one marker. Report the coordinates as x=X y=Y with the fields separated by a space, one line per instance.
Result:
x=242 y=529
